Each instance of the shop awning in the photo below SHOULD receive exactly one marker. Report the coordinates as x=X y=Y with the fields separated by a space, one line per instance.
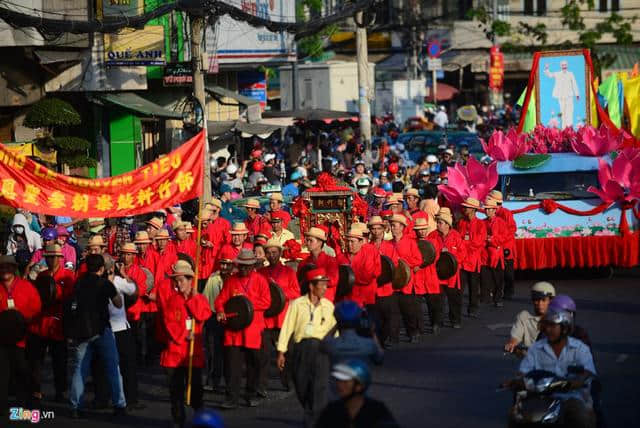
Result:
x=454 y=60
x=134 y=102
x=253 y=105
x=53 y=57
x=313 y=114
x=262 y=130
x=444 y=92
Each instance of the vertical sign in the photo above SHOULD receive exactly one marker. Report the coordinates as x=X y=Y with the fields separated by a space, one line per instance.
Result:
x=496 y=68
x=253 y=84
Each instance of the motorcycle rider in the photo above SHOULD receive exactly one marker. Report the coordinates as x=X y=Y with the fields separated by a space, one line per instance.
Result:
x=525 y=329
x=564 y=302
x=556 y=353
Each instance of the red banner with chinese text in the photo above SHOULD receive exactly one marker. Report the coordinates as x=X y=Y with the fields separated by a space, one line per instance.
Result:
x=496 y=68
x=169 y=180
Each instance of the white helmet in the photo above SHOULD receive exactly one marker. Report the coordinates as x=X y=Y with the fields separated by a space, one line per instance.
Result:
x=232 y=169
x=432 y=159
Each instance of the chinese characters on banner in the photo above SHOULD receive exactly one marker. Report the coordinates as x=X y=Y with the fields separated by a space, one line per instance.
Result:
x=496 y=68
x=169 y=180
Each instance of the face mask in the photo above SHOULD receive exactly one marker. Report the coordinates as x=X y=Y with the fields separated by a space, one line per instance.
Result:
x=363 y=191
x=18 y=229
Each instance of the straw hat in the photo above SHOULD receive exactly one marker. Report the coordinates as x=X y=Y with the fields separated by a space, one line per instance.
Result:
x=155 y=222
x=178 y=224
x=316 y=232
x=491 y=204
x=421 y=224
x=216 y=203
x=129 y=248
x=273 y=243
x=96 y=241
x=96 y=225
x=252 y=203
x=399 y=218
x=412 y=192
x=276 y=196
x=246 y=257
x=376 y=220
x=496 y=194
x=162 y=234
x=205 y=215
x=362 y=227
x=142 y=237
x=317 y=275
x=182 y=267
x=445 y=215
x=472 y=203
x=189 y=227
x=395 y=198
x=355 y=232
x=239 y=228
x=53 y=250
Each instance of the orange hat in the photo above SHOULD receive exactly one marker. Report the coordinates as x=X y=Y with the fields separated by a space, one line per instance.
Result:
x=317 y=274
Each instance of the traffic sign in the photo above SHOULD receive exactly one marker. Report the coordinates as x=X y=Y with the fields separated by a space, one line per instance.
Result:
x=434 y=49
x=434 y=64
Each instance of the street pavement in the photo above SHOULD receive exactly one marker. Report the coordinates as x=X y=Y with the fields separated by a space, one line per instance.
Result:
x=450 y=380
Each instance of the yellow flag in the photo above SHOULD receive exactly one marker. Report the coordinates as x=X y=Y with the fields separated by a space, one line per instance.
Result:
x=632 y=100
x=594 y=109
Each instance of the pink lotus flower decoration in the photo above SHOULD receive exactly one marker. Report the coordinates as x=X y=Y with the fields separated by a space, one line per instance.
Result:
x=507 y=147
x=592 y=142
x=621 y=180
x=473 y=180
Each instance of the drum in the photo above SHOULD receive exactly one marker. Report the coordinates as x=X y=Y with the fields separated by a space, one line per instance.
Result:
x=278 y=300
x=346 y=279
x=13 y=327
x=239 y=312
x=148 y=278
x=447 y=265
x=427 y=251
x=46 y=286
x=386 y=273
x=302 y=277
x=401 y=275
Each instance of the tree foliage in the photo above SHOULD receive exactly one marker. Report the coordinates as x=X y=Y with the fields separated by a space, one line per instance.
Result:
x=51 y=112
x=312 y=46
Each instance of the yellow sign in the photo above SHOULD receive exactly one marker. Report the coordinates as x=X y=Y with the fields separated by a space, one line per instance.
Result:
x=135 y=47
x=31 y=149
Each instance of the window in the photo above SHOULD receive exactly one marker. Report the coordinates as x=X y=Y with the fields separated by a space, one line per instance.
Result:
x=557 y=185
x=603 y=6
x=612 y=5
x=541 y=8
x=528 y=7
x=308 y=90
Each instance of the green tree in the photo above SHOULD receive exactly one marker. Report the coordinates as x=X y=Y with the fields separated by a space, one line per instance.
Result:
x=312 y=46
x=53 y=114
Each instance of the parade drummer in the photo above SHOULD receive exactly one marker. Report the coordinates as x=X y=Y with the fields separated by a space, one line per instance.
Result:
x=238 y=242
x=412 y=196
x=449 y=240
x=286 y=279
x=492 y=273
x=181 y=310
x=255 y=222
x=147 y=257
x=166 y=259
x=96 y=245
x=427 y=282
x=364 y=259
x=509 y=246
x=246 y=342
x=474 y=233
x=315 y=239
x=275 y=206
x=307 y=321
x=154 y=224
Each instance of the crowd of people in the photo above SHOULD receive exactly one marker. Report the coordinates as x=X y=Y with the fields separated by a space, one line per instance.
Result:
x=116 y=295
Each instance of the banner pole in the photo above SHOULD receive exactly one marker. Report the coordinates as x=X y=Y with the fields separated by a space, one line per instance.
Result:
x=193 y=323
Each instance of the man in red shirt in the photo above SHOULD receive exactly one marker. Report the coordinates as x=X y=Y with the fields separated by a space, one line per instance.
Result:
x=492 y=273
x=238 y=241
x=286 y=278
x=46 y=328
x=474 y=234
x=315 y=239
x=183 y=243
x=509 y=246
x=15 y=294
x=275 y=206
x=166 y=259
x=426 y=278
x=255 y=222
x=147 y=258
x=253 y=286
x=364 y=259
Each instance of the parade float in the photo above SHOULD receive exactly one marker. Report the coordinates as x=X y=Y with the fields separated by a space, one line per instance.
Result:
x=573 y=190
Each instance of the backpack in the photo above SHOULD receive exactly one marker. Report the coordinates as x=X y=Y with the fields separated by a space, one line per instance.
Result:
x=80 y=320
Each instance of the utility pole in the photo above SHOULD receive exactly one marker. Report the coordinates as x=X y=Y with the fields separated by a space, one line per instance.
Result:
x=363 y=82
x=197 y=32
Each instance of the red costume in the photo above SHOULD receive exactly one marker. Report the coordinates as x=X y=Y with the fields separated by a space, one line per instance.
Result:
x=454 y=244
x=217 y=232
x=330 y=265
x=230 y=252
x=177 y=315
x=407 y=250
x=510 y=244
x=426 y=279
x=256 y=289
x=474 y=234
x=188 y=247
x=26 y=300
x=257 y=225
x=140 y=279
x=282 y=214
x=48 y=323
x=386 y=248
x=286 y=278
x=497 y=235
x=366 y=267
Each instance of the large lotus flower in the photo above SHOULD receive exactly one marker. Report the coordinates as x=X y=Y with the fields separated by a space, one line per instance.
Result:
x=507 y=147
x=621 y=180
x=473 y=180
x=592 y=142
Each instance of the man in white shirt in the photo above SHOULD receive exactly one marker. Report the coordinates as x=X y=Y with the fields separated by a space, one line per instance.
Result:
x=564 y=90
x=441 y=119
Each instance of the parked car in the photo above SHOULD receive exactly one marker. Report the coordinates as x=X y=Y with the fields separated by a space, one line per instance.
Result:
x=424 y=143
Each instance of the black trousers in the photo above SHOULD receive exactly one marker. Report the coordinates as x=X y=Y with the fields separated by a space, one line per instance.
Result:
x=36 y=352
x=310 y=372
x=492 y=280
x=178 y=378
x=454 y=297
x=434 y=303
x=13 y=364
x=471 y=281
x=233 y=358
x=126 y=345
x=509 y=278
x=388 y=312
x=411 y=311
x=214 y=363
x=140 y=338
x=269 y=344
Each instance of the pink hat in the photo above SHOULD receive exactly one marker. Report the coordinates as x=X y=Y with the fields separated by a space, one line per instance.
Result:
x=62 y=231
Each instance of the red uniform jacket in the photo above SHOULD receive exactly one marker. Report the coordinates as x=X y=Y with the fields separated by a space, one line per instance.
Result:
x=217 y=232
x=497 y=235
x=454 y=244
x=48 y=323
x=286 y=278
x=506 y=215
x=286 y=218
x=407 y=250
x=426 y=279
x=176 y=316
x=148 y=260
x=140 y=279
x=386 y=248
x=25 y=299
x=258 y=225
x=256 y=289
x=474 y=234
x=163 y=263
x=330 y=265
x=234 y=250
x=366 y=267
x=188 y=247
